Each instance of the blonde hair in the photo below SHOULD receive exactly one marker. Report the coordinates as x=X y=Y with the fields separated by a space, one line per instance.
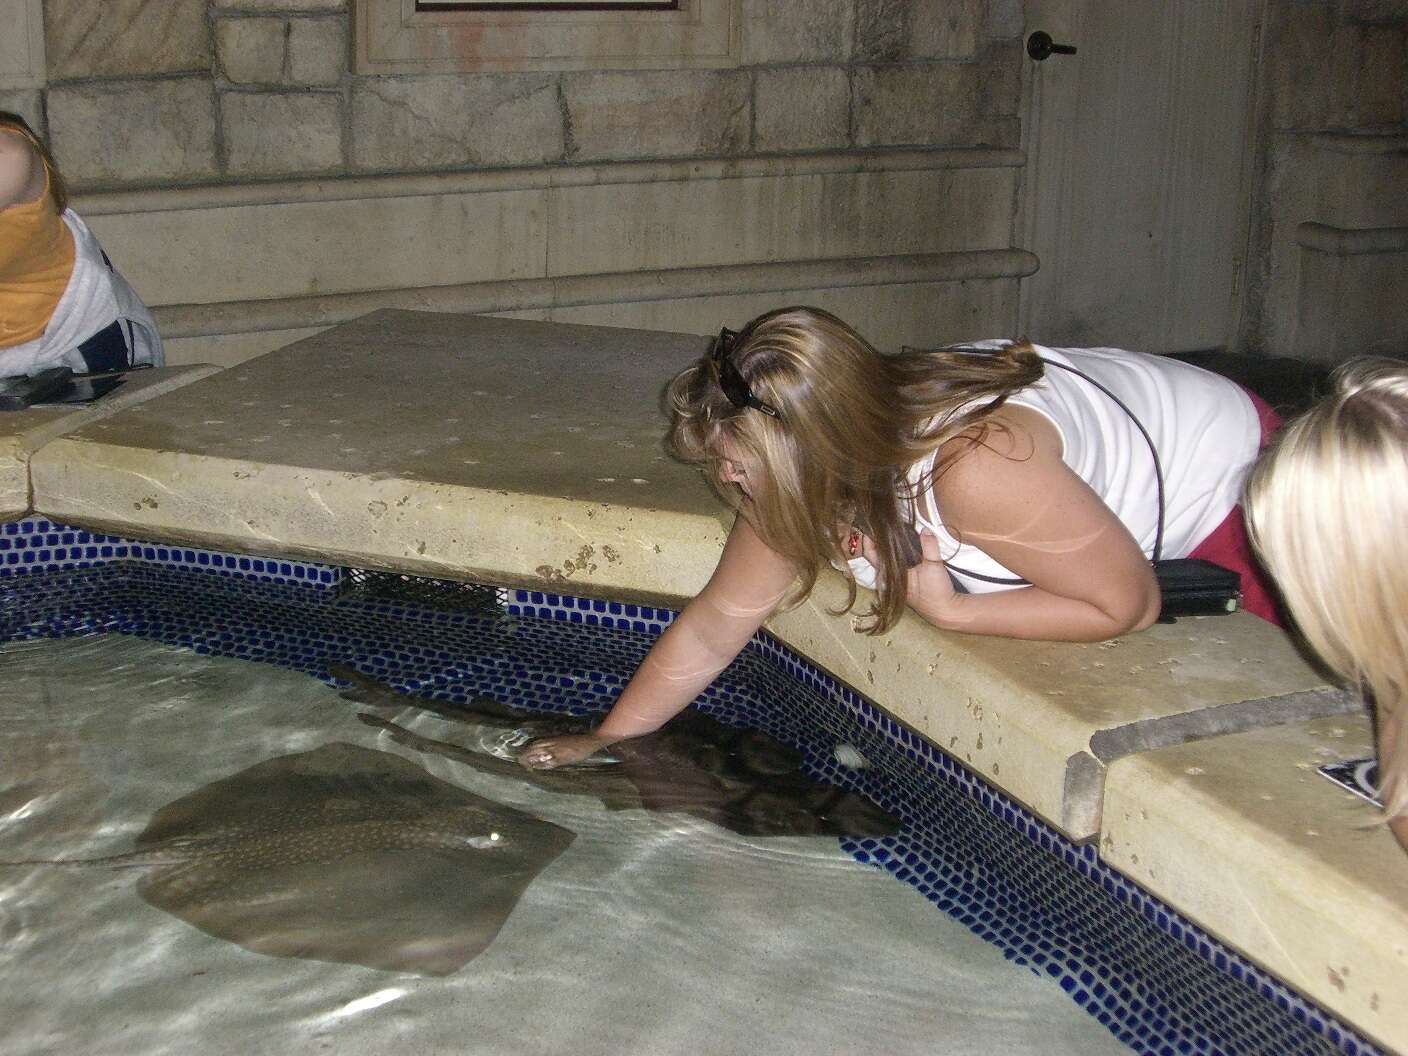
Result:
x=852 y=421
x=1327 y=509
x=58 y=190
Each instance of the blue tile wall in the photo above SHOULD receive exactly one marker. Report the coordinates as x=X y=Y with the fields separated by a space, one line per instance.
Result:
x=36 y=544
x=1152 y=978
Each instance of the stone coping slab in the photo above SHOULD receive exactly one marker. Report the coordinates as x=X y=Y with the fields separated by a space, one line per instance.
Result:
x=1242 y=834
x=529 y=454
x=24 y=432
x=465 y=447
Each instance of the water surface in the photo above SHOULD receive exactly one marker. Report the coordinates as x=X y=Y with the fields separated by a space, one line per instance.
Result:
x=652 y=933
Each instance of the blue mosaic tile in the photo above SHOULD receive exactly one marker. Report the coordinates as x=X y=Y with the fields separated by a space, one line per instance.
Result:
x=34 y=545
x=1156 y=981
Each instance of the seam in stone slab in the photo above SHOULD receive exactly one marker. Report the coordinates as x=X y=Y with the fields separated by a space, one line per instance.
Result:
x=502 y=295
x=1082 y=794
x=1351 y=242
x=1236 y=717
x=358 y=188
x=1084 y=782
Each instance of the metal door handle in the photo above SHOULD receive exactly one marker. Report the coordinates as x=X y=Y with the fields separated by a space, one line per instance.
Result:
x=1040 y=46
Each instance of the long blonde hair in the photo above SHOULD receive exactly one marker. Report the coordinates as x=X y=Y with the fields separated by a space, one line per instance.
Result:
x=1327 y=509
x=852 y=421
x=58 y=190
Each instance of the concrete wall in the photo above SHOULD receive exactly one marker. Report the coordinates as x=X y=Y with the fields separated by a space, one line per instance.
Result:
x=235 y=167
x=1329 y=275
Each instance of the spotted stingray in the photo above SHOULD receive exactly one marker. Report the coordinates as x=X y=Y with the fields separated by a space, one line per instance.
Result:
x=739 y=779
x=344 y=854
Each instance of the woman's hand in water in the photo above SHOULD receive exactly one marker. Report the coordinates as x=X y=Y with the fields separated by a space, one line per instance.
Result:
x=548 y=753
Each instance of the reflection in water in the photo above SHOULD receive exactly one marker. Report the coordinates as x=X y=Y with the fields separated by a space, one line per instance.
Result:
x=741 y=780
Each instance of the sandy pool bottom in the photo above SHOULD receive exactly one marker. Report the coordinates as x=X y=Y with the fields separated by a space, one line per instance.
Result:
x=651 y=934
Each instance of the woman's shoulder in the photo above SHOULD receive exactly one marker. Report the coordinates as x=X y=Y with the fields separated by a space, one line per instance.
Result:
x=1010 y=438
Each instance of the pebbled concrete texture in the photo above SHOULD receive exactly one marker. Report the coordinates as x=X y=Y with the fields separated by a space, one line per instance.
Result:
x=24 y=432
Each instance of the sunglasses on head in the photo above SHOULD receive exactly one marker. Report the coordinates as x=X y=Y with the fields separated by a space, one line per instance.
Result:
x=730 y=380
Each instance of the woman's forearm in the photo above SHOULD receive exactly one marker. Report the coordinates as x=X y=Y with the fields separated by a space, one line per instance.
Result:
x=746 y=587
x=1033 y=613
x=688 y=656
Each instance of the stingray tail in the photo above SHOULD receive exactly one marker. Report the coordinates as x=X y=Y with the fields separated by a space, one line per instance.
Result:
x=130 y=860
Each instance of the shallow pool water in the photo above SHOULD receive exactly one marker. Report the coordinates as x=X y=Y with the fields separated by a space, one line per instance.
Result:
x=651 y=933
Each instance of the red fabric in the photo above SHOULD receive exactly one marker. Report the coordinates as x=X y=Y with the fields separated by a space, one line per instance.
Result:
x=1229 y=546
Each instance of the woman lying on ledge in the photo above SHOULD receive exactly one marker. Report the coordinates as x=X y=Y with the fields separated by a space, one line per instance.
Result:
x=1328 y=510
x=1025 y=472
x=61 y=303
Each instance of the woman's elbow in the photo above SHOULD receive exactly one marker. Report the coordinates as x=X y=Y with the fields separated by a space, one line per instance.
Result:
x=1134 y=611
x=1152 y=605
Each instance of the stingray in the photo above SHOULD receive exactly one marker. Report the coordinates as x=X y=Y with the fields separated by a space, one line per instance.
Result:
x=343 y=854
x=739 y=779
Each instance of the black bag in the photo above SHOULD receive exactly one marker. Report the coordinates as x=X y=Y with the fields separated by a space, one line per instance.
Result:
x=1193 y=587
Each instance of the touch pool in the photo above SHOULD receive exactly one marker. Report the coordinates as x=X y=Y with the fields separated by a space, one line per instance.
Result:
x=760 y=943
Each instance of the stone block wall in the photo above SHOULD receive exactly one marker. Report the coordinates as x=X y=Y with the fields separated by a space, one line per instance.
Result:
x=1329 y=255
x=184 y=92
x=861 y=155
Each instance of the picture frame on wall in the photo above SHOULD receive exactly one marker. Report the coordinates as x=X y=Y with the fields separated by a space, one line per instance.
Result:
x=547 y=5
x=489 y=36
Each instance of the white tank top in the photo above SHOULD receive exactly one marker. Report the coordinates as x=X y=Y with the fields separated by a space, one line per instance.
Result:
x=1205 y=429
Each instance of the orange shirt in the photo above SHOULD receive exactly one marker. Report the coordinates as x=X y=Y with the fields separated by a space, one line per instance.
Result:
x=36 y=260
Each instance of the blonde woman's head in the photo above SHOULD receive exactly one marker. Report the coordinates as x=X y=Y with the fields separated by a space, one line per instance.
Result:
x=826 y=457
x=1327 y=508
x=58 y=191
x=849 y=422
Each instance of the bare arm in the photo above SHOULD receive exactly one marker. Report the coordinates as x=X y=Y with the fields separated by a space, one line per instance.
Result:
x=1391 y=770
x=1018 y=502
x=21 y=170
x=750 y=581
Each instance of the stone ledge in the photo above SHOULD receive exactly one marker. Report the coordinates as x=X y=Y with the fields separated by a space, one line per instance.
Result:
x=478 y=230
x=1345 y=242
x=24 y=432
x=358 y=188
x=239 y=317
x=1242 y=835
x=894 y=316
x=528 y=453
x=1042 y=720
x=444 y=457
x=1361 y=143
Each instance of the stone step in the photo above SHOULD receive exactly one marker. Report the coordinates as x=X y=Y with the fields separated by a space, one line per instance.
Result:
x=1242 y=834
